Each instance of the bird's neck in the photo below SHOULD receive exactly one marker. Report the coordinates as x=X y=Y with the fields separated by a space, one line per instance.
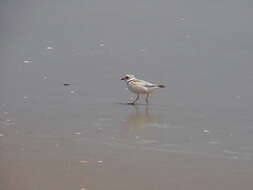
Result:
x=130 y=80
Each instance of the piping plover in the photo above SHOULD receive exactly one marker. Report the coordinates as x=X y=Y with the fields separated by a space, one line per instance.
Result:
x=140 y=87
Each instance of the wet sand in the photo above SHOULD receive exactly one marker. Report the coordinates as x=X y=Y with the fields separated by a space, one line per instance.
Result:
x=75 y=165
x=129 y=152
x=64 y=121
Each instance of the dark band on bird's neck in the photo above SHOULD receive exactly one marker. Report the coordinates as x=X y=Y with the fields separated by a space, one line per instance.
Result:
x=130 y=81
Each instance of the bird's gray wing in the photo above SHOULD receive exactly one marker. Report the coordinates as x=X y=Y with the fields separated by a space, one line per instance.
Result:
x=145 y=83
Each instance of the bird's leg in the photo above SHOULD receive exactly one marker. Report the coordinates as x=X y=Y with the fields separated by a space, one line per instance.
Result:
x=147 y=99
x=136 y=99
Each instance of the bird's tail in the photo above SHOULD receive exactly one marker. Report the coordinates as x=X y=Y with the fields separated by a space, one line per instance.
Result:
x=161 y=86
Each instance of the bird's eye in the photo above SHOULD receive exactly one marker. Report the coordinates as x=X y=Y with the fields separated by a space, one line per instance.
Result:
x=127 y=77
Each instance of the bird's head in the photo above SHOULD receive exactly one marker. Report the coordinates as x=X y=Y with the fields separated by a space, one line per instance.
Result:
x=128 y=77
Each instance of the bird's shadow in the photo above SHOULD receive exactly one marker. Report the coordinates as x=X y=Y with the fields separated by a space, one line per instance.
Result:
x=131 y=104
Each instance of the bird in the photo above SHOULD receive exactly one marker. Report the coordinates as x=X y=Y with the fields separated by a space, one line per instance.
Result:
x=140 y=87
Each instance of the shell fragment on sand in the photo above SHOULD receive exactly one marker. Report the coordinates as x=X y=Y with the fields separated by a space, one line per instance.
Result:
x=83 y=162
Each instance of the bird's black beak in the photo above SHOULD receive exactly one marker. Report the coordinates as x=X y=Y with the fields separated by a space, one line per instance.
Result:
x=122 y=78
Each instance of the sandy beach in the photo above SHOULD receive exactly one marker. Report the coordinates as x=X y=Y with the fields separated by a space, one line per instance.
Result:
x=64 y=118
x=89 y=165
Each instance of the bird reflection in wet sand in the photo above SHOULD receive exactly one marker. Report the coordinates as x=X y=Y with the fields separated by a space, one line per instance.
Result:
x=138 y=119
